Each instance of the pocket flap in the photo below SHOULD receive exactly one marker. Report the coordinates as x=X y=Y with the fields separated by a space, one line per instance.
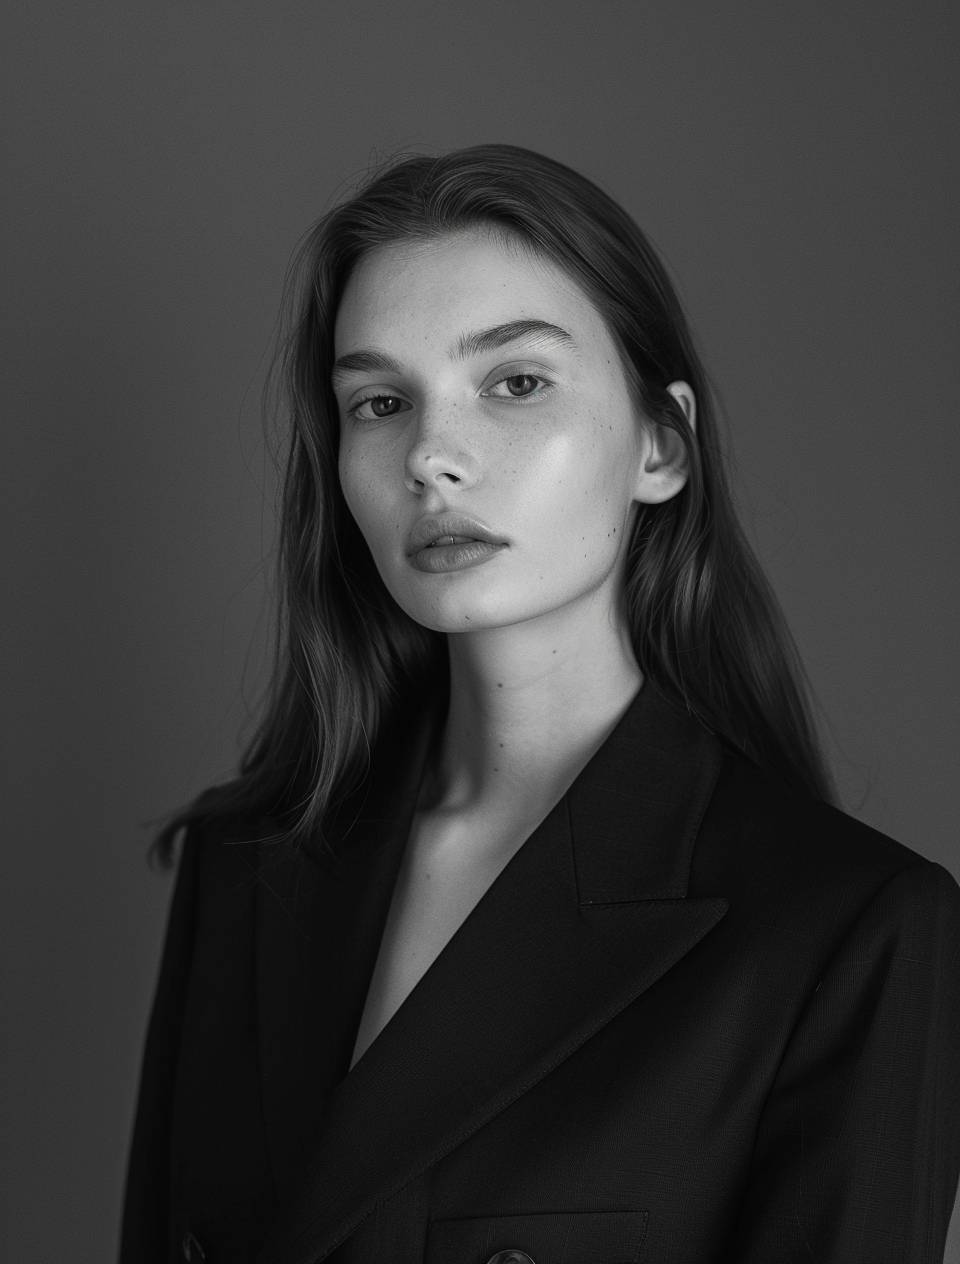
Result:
x=559 y=1237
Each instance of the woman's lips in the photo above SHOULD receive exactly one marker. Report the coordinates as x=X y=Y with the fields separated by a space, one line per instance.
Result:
x=433 y=527
x=434 y=558
x=451 y=539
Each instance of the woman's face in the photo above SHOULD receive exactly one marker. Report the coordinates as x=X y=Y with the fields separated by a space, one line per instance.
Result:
x=531 y=435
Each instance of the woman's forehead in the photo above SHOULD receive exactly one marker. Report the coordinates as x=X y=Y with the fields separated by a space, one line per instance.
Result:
x=473 y=277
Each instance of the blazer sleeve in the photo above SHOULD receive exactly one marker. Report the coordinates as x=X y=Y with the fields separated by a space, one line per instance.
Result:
x=145 y=1227
x=858 y=1147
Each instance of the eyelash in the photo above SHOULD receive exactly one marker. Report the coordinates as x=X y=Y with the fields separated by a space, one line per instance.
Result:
x=513 y=399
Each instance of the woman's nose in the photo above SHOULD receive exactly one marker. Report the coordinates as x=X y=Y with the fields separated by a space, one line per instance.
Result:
x=438 y=454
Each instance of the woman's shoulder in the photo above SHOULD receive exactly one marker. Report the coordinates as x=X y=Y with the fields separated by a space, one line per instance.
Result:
x=796 y=861
x=231 y=853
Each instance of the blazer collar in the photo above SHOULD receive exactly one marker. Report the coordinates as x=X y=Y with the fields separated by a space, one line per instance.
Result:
x=540 y=964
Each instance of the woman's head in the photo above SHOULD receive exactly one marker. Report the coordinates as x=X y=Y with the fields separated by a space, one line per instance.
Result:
x=471 y=239
x=474 y=377
x=548 y=223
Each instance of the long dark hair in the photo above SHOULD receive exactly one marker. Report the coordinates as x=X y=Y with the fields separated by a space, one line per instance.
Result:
x=706 y=627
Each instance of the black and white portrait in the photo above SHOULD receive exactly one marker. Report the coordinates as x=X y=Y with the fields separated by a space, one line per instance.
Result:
x=482 y=699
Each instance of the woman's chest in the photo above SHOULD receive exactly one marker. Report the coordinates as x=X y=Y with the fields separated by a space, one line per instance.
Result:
x=442 y=877
x=629 y=1121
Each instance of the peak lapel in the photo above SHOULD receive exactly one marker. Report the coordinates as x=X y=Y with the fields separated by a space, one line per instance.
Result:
x=588 y=913
x=319 y=923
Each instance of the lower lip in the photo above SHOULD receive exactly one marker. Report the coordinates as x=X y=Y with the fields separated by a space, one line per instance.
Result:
x=454 y=557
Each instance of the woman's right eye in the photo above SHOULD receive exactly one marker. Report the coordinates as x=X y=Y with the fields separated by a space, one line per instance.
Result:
x=376 y=402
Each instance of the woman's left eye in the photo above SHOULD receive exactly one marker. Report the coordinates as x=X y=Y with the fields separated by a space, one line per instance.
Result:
x=520 y=386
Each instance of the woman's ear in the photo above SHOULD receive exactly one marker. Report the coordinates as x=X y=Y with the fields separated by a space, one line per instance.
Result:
x=683 y=394
x=664 y=471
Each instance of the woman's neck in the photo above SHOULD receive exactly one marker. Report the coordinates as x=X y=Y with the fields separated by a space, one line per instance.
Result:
x=528 y=708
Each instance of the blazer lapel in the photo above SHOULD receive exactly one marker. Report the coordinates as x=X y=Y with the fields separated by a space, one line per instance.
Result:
x=319 y=923
x=587 y=914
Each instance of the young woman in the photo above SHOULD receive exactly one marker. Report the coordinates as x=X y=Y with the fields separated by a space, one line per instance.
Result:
x=528 y=931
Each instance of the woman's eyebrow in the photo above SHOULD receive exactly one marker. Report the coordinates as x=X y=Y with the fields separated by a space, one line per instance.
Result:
x=477 y=342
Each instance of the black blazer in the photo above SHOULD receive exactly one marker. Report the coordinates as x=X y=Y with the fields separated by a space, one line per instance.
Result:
x=696 y=1018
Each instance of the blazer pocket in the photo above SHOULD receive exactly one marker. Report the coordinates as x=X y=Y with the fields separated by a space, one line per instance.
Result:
x=553 y=1237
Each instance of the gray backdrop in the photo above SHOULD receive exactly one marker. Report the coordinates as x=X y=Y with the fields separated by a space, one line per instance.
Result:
x=796 y=164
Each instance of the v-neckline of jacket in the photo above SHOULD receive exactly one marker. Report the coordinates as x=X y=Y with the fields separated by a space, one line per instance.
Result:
x=588 y=912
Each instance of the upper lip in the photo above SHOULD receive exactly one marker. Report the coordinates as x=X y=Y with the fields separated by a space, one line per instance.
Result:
x=432 y=527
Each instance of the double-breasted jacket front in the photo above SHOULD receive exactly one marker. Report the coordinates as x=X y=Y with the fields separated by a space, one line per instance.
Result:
x=696 y=1018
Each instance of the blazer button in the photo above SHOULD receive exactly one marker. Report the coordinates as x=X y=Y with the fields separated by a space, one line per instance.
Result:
x=513 y=1256
x=191 y=1249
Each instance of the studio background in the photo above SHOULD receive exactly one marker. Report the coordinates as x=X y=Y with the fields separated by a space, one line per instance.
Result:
x=795 y=164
